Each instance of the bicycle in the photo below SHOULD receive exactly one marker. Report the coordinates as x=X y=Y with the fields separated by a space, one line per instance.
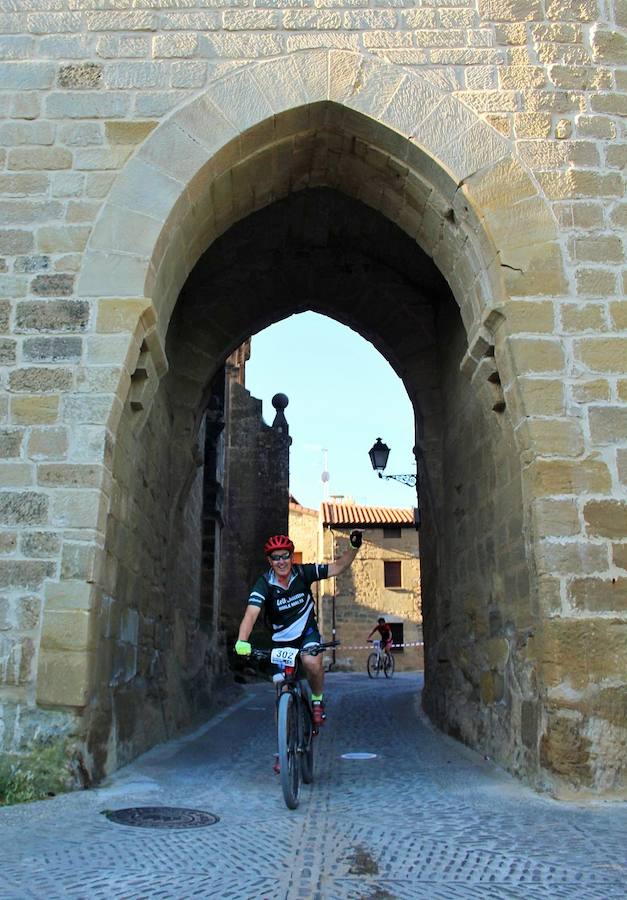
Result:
x=379 y=661
x=295 y=725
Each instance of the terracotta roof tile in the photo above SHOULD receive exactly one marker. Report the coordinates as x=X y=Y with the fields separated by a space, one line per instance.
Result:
x=339 y=513
x=296 y=507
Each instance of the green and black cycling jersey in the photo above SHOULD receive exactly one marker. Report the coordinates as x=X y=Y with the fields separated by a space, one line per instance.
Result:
x=289 y=610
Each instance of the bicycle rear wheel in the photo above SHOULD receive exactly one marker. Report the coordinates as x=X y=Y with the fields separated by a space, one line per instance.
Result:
x=373 y=665
x=288 y=749
x=388 y=665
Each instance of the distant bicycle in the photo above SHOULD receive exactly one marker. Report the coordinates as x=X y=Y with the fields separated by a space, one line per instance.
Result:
x=295 y=725
x=380 y=661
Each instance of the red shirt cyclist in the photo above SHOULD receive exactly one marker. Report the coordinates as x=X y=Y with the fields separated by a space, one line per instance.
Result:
x=385 y=631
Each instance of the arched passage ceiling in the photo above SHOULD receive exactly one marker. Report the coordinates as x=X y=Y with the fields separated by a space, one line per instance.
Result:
x=331 y=148
x=318 y=250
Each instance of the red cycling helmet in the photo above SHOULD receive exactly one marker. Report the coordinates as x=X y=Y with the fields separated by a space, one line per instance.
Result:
x=278 y=542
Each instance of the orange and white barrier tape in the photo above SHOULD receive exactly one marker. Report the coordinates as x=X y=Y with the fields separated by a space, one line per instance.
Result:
x=370 y=646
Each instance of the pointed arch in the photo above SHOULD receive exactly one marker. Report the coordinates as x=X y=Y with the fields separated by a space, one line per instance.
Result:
x=435 y=168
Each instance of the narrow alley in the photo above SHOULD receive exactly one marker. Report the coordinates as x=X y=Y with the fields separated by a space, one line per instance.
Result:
x=423 y=818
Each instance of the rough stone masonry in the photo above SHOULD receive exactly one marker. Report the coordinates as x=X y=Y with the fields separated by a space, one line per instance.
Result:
x=474 y=152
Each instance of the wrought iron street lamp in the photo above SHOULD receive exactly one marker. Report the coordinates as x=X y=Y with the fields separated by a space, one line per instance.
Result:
x=378 y=454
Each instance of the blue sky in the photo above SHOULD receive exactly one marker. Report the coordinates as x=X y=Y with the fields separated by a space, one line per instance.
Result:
x=343 y=395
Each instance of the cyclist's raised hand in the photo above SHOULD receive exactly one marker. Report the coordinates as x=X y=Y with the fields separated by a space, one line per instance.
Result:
x=243 y=648
x=355 y=539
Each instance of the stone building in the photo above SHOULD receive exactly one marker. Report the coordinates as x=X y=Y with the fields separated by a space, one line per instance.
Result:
x=304 y=530
x=446 y=179
x=383 y=581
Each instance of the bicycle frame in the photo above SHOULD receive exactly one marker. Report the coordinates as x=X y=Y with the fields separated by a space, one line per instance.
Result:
x=383 y=661
x=295 y=725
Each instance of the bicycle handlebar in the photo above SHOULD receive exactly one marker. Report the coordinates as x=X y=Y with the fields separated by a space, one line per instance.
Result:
x=309 y=651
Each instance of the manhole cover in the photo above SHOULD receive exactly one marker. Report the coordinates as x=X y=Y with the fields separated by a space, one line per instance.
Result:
x=161 y=817
x=359 y=755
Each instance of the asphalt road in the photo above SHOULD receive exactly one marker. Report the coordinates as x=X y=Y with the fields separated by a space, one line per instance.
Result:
x=424 y=818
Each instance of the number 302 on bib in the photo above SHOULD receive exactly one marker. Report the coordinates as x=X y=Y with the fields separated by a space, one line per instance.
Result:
x=285 y=655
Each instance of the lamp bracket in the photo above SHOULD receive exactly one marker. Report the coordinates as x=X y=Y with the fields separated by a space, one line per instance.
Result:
x=409 y=480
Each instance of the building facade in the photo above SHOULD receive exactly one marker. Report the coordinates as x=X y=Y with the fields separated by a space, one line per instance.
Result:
x=445 y=178
x=383 y=581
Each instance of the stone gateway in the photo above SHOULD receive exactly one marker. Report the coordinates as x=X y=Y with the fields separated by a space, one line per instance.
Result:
x=446 y=179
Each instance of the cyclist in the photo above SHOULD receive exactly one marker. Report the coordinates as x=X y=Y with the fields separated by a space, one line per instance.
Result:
x=284 y=593
x=386 y=634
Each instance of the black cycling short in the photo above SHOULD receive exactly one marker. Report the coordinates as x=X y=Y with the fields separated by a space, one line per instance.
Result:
x=311 y=635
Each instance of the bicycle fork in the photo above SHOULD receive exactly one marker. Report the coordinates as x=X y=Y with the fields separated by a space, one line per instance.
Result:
x=297 y=705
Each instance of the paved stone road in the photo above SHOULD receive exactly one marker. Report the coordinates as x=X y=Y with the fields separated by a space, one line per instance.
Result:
x=425 y=819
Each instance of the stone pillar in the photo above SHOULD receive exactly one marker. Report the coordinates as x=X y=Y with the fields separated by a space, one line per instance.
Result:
x=257 y=497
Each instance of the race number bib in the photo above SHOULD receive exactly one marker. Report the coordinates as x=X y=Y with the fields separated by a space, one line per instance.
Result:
x=285 y=655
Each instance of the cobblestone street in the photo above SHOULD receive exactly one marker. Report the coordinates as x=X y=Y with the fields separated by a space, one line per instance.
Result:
x=426 y=818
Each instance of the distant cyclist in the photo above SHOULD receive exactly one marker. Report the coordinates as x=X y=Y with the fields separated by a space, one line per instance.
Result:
x=284 y=593
x=385 y=631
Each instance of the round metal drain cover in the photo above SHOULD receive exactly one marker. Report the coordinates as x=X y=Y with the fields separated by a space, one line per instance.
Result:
x=359 y=755
x=161 y=817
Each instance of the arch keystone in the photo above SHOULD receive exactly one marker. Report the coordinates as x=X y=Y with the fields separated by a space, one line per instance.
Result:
x=368 y=86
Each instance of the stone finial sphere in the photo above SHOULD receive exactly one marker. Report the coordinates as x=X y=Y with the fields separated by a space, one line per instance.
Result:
x=280 y=401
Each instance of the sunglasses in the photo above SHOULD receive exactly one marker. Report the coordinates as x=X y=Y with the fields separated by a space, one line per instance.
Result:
x=276 y=557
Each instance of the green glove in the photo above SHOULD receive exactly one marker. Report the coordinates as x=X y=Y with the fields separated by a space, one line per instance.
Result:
x=243 y=648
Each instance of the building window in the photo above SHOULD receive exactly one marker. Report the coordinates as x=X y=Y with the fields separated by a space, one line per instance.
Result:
x=398 y=636
x=392 y=532
x=391 y=573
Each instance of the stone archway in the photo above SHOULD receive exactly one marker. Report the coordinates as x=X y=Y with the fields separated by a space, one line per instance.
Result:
x=450 y=182
x=417 y=154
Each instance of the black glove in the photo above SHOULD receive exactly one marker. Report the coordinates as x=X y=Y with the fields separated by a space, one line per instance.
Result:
x=355 y=539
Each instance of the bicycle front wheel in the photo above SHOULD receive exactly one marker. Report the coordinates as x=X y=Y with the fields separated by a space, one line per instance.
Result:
x=373 y=665
x=288 y=749
x=307 y=755
x=388 y=665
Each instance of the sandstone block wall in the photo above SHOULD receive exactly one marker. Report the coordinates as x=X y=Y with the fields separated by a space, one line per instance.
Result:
x=304 y=530
x=485 y=612
x=490 y=131
x=149 y=650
